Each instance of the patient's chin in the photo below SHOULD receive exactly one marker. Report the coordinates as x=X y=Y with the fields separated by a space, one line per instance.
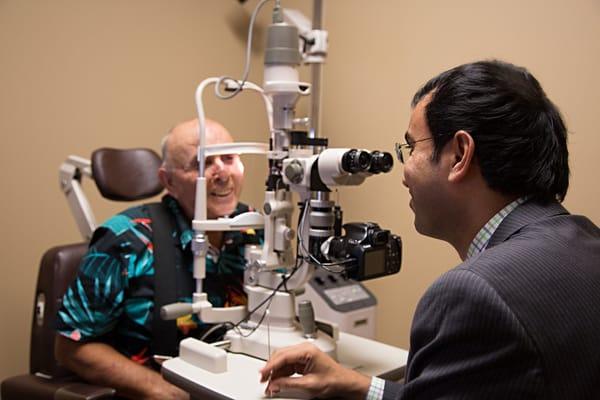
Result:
x=221 y=208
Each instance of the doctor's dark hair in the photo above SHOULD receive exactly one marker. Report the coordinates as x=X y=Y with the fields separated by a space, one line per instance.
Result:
x=520 y=137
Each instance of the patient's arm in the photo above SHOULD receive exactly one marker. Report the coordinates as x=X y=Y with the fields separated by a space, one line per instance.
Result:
x=100 y=364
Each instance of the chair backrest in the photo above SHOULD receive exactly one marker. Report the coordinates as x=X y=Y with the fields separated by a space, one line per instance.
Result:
x=126 y=174
x=57 y=269
x=120 y=174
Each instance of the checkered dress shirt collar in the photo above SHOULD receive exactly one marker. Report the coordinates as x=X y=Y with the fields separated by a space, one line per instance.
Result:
x=483 y=236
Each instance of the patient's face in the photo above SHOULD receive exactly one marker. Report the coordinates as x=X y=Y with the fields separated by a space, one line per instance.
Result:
x=224 y=178
x=224 y=173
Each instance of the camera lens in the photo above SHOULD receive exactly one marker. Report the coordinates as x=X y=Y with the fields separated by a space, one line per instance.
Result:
x=354 y=161
x=335 y=248
x=381 y=162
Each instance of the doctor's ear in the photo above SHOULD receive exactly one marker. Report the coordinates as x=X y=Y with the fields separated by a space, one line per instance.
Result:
x=463 y=149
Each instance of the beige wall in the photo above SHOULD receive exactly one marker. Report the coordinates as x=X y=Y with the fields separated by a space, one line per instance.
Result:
x=77 y=75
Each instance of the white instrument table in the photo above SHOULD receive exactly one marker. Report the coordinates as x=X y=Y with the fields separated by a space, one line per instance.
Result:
x=241 y=380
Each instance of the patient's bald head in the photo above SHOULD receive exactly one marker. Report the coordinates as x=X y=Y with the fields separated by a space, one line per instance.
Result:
x=224 y=174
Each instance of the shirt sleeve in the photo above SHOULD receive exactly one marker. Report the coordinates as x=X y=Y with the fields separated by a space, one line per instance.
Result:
x=93 y=302
x=376 y=389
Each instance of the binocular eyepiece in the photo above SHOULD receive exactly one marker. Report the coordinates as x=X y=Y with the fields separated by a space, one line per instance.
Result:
x=355 y=161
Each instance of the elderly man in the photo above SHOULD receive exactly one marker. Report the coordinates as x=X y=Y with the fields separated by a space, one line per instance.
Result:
x=108 y=321
x=486 y=166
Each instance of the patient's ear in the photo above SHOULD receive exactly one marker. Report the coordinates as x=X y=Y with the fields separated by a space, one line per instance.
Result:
x=463 y=152
x=165 y=178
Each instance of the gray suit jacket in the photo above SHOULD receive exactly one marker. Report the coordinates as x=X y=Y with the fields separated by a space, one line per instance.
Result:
x=521 y=320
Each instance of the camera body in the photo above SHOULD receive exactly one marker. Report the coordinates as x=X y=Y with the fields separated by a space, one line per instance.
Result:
x=367 y=251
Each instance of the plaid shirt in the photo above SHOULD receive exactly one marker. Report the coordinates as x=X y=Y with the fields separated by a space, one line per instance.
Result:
x=112 y=298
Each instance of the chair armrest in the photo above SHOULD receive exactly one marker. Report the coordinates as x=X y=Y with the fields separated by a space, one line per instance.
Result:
x=33 y=387
x=83 y=391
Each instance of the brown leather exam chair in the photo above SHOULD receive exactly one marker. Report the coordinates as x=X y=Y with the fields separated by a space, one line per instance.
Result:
x=123 y=175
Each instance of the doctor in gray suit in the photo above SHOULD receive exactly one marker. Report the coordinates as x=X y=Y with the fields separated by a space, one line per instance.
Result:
x=486 y=165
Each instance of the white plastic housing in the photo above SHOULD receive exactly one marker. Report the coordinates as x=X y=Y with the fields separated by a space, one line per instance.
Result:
x=203 y=355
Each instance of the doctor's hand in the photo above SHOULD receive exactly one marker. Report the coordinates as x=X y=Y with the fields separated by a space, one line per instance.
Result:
x=319 y=376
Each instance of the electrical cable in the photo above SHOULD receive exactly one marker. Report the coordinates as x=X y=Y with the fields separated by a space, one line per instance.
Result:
x=236 y=326
x=240 y=84
x=268 y=299
x=214 y=328
x=325 y=266
x=284 y=279
x=260 y=321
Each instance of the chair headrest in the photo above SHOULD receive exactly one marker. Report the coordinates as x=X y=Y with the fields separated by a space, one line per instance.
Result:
x=126 y=174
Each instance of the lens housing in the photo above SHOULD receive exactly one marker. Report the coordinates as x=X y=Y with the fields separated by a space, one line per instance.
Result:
x=355 y=161
x=381 y=161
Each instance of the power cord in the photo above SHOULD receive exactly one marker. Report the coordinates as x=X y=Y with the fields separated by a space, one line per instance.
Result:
x=239 y=85
x=325 y=266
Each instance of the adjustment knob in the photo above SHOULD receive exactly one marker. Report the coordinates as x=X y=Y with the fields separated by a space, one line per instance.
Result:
x=294 y=172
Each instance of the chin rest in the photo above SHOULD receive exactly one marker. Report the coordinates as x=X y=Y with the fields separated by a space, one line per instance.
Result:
x=124 y=175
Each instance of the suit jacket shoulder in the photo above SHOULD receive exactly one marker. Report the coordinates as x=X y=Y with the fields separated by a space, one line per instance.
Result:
x=519 y=320
x=545 y=264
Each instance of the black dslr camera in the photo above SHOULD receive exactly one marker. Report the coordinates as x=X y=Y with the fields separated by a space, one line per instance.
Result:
x=367 y=251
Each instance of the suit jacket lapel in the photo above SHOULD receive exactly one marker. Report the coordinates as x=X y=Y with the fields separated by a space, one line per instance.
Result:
x=523 y=215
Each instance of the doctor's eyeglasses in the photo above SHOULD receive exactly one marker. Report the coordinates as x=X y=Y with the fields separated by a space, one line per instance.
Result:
x=404 y=150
